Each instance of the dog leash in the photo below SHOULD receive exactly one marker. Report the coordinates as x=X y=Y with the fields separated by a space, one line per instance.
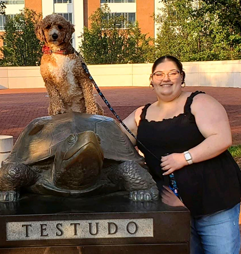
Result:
x=112 y=110
x=106 y=101
x=173 y=183
x=48 y=51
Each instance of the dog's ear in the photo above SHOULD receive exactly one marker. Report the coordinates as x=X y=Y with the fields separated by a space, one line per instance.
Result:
x=69 y=32
x=39 y=31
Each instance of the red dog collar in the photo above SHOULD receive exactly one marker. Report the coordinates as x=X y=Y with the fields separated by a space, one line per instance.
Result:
x=48 y=51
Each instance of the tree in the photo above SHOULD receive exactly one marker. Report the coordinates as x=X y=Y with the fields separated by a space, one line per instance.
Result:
x=199 y=30
x=228 y=13
x=178 y=34
x=20 y=45
x=107 y=42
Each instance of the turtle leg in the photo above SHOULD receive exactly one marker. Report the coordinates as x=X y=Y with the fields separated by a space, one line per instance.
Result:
x=13 y=176
x=135 y=179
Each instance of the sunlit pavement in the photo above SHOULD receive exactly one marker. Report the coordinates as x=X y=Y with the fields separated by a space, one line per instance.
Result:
x=19 y=106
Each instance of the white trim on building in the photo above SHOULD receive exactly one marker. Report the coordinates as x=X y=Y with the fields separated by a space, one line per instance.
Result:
x=78 y=21
x=12 y=9
x=47 y=7
x=158 y=6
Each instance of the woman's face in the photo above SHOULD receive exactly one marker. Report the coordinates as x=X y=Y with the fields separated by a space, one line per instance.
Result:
x=167 y=79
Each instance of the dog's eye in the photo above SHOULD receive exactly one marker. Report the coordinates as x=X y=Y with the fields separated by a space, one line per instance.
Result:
x=60 y=27
x=48 y=27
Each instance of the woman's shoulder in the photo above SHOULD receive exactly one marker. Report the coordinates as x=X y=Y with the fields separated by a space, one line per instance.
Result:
x=139 y=110
x=140 y=113
x=202 y=101
x=134 y=115
x=201 y=97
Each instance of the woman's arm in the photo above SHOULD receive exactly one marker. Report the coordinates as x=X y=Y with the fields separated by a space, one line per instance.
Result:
x=212 y=121
x=132 y=122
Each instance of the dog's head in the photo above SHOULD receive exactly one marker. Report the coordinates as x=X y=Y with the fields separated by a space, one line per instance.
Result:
x=54 y=29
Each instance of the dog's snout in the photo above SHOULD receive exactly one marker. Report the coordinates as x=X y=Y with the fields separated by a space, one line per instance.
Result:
x=54 y=36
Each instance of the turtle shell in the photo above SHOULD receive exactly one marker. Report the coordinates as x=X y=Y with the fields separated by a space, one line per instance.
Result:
x=40 y=138
x=114 y=143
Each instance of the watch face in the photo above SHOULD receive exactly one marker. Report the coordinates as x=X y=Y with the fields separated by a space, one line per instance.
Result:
x=188 y=156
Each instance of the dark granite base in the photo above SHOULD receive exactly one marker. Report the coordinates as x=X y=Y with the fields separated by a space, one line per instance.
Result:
x=127 y=249
x=170 y=225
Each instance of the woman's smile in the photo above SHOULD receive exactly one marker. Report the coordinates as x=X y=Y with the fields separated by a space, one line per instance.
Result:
x=166 y=84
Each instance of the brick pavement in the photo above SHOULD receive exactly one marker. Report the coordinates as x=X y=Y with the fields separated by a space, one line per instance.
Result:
x=19 y=106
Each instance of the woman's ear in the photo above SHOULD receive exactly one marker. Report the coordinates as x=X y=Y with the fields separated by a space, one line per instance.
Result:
x=183 y=74
x=150 y=79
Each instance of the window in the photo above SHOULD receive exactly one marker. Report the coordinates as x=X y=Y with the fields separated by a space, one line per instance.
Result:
x=68 y=16
x=13 y=1
x=62 y=1
x=129 y=17
x=117 y=1
x=3 y=19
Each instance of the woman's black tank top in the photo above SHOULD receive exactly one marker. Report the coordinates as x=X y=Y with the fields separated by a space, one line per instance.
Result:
x=205 y=187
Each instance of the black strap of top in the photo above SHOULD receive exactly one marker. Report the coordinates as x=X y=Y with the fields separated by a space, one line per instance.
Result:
x=187 y=107
x=144 y=110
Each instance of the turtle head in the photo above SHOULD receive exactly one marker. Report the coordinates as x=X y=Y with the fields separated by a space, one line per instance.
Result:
x=70 y=146
x=76 y=142
x=78 y=161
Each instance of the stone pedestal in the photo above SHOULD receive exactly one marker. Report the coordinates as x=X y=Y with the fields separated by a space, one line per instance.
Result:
x=107 y=224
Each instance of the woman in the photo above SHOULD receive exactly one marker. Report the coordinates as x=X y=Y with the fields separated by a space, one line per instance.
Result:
x=188 y=134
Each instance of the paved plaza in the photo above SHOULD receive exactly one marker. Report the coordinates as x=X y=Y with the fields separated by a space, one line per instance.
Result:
x=19 y=106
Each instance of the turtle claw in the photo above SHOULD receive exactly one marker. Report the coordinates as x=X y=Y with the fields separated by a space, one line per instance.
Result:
x=9 y=196
x=145 y=195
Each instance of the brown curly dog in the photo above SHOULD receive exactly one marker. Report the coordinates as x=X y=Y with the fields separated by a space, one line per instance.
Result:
x=68 y=86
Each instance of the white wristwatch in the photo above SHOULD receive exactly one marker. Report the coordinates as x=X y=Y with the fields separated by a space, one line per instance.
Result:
x=188 y=157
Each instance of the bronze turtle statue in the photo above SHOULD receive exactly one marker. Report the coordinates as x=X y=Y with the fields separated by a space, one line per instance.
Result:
x=75 y=154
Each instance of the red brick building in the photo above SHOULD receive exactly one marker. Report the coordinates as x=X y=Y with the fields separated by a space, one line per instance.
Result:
x=79 y=11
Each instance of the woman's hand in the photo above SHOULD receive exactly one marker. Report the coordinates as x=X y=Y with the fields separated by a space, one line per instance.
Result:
x=173 y=162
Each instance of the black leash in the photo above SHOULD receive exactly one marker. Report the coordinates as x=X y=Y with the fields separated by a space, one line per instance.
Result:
x=112 y=110
x=105 y=100
x=173 y=183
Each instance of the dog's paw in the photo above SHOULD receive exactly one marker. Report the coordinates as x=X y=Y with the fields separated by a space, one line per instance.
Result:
x=93 y=111
x=57 y=112
x=61 y=111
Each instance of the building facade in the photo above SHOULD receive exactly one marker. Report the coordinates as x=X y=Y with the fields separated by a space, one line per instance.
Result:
x=78 y=12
